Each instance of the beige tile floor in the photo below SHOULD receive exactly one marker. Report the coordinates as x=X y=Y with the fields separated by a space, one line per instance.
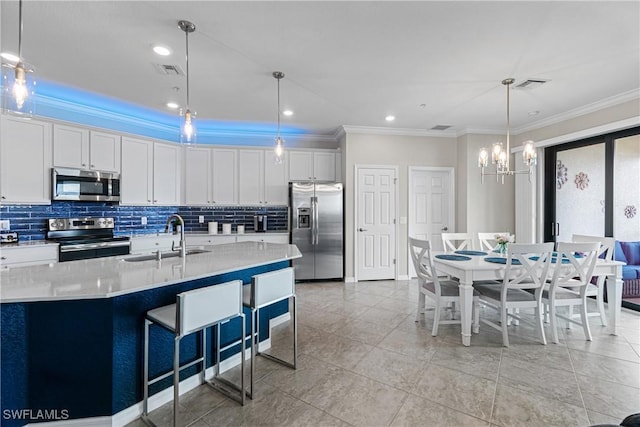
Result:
x=364 y=361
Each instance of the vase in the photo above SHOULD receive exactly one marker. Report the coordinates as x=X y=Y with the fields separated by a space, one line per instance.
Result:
x=502 y=249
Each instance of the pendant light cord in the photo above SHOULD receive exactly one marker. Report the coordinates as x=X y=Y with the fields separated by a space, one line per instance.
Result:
x=20 y=31
x=508 y=125
x=278 y=107
x=187 y=50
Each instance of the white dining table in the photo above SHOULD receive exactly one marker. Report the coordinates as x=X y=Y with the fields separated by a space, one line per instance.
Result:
x=477 y=269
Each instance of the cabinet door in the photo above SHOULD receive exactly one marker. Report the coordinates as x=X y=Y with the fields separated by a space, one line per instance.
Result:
x=338 y=167
x=276 y=184
x=25 y=161
x=300 y=165
x=224 y=176
x=166 y=174
x=197 y=176
x=70 y=147
x=324 y=166
x=136 y=178
x=250 y=177
x=104 y=151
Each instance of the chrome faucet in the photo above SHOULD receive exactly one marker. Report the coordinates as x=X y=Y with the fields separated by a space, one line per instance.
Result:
x=182 y=248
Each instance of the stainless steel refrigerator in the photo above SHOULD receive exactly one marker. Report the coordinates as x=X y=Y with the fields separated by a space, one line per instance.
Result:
x=316 y=221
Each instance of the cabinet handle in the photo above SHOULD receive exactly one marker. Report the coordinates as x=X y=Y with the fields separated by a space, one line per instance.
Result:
x=155 y=201
x=4 y=257
x=148 y=200
x=3 y=197
x=93 y=166
x=84 y=164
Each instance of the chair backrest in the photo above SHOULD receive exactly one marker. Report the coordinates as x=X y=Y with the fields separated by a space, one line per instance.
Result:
x=606 y=244
x=457 y=241
x=576 y=261
x=488 y=241
x=527 y=266
x=422 y=258
x=267 y=288
x=203 y=307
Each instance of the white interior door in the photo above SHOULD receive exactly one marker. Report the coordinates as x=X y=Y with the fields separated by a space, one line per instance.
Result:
x=376 y=223
x=431 y=208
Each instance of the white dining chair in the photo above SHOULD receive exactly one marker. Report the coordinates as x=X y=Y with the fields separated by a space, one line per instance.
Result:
x=457 y=241
x=527 y=268
x=572 y=273
x=597 y=290
x=442 y=291
x=488 y=241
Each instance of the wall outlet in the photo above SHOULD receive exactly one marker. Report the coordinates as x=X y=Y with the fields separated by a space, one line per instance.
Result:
x=143 y=220
x=201 y=219
x=5 y=224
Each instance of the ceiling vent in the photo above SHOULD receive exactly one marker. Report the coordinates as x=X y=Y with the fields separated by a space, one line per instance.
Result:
x=531 y=84
x=441 y=127
x=169 y=70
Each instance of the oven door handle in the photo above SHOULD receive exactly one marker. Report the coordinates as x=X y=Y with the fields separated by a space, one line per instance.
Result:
x=75 y=248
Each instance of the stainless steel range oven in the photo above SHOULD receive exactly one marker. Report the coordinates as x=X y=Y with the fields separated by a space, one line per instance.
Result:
x=83 y=238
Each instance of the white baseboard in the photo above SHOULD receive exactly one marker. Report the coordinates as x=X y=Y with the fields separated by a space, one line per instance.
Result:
x=350 y=280
x=133 y=412
x=403 y=277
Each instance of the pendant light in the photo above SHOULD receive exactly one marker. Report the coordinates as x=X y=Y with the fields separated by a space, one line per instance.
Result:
x=187 y=128
x=500 y=156
x=18 y=84
x=278 y=75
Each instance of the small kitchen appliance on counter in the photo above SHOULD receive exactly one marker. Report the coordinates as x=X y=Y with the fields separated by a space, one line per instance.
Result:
x=8 y=236
x=260 y=223
x=84 y=238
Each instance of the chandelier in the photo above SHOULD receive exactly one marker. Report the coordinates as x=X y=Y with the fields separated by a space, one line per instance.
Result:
x=278 y=75
x=18 y=86
x=500 y=154
x=188 y=128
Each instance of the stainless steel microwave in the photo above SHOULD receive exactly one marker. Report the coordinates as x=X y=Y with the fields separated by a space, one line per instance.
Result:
x=85 y=185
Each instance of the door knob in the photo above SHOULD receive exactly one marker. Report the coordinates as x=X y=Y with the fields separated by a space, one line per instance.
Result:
x=361 y=229
x=445 y=228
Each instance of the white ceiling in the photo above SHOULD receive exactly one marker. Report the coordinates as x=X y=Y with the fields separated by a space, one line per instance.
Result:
x=346 y=63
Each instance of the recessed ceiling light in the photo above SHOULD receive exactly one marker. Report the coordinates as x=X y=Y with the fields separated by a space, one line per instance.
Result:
x=162 y=50
x=172 y=105
x=9 y=56
x=390 y=118
x=287 y=113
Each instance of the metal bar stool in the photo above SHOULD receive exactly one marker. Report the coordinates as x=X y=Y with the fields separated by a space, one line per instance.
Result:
x=266 y=289
x=195 y=311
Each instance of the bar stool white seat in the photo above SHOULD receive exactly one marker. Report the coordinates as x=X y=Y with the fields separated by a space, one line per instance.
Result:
x=266 y=289
x=195 y=311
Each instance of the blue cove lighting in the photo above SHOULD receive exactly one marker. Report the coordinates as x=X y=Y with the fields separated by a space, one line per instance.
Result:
x=62 y=102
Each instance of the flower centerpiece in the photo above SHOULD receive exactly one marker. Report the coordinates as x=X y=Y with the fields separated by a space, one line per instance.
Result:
x=502 y=240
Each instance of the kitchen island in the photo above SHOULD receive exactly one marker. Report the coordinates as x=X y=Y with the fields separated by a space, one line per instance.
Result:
x=72 y=332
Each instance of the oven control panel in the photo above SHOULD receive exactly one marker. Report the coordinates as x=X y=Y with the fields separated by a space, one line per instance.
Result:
x=58 y=224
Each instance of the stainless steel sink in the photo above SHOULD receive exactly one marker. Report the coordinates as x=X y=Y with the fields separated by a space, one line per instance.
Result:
x=163 y=255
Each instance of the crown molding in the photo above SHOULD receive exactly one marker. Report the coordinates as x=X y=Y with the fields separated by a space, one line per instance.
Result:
x=369 y=130
x=581 y=111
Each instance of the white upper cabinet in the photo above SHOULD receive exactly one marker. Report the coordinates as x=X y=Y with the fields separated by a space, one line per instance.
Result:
x=224 y=176
x=136 y=179
x=312 y=166
x=166 y=174
x=25 y=161
x=300 y=165
x=150 y=173
x=197 y=175
x=251 y=177
x=276 y=182
x=104 y=151
x=80 y=148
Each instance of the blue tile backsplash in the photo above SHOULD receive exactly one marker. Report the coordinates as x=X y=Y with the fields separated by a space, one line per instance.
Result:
x=30 y=221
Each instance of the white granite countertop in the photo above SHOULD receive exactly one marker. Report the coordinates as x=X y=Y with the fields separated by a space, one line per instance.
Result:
x=27 y=244
x=113 y=276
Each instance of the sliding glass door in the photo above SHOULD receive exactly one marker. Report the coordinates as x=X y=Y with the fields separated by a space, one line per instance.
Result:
x=626 y=196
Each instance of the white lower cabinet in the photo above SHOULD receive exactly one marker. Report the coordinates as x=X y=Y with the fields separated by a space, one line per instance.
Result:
x=22 y=256
x=153 y=243
x=209 y=240
x=260 y=237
